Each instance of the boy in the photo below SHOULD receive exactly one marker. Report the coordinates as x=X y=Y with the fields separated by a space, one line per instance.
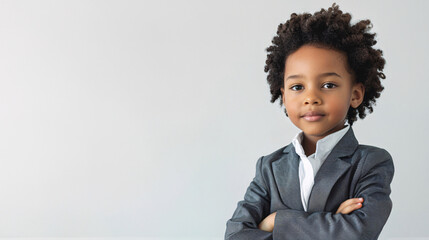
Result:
x=324 y=185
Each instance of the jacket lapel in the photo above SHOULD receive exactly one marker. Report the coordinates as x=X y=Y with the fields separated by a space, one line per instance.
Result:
x=331 y=170
x=285 y=172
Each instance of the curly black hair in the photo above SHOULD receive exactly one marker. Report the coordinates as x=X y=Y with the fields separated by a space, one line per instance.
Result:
x=329 y=29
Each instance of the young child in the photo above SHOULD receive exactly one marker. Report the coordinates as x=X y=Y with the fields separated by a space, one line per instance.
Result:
x=323 y=185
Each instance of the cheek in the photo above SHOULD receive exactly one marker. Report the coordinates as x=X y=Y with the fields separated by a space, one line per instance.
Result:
x=339 y=108
x=292 y=109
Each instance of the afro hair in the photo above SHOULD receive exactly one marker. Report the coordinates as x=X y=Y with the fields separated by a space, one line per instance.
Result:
x=329 y=29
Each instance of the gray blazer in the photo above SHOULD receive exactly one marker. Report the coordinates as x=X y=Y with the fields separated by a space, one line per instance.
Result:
x=351 y=170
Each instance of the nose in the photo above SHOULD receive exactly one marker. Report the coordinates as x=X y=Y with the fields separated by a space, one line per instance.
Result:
x=312 y=98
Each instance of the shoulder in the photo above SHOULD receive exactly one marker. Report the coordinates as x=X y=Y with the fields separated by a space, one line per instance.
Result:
x=372 y=152
x=370 y=157
x=278 y=154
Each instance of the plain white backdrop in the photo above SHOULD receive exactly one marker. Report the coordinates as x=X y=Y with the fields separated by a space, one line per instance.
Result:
x=146 y=118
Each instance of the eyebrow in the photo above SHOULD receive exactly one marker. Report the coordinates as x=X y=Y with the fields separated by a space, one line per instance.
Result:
x=327 y=74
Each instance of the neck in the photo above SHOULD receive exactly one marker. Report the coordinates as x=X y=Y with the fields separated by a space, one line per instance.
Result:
x=309 y=144
x=309 y=141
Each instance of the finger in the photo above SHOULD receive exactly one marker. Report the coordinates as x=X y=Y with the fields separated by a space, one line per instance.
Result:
x=263 y=226
x=350 y=208
x=353 y=201
x=348 y=203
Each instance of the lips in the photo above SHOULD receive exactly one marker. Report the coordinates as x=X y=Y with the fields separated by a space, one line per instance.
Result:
x=313 y=116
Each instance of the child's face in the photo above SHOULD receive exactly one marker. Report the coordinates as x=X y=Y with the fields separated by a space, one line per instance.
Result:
x=318 y=90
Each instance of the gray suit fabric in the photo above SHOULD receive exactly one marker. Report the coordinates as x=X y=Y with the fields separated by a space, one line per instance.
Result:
x=351 y=170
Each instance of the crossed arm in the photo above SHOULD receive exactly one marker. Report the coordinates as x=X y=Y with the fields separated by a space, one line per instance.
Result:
x=354 y=219
x=346 y=207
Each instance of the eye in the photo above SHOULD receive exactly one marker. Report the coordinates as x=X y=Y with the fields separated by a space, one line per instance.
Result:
x=329 y=85
x=296 y=87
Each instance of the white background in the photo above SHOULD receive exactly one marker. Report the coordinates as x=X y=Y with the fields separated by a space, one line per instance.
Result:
x=146 y=118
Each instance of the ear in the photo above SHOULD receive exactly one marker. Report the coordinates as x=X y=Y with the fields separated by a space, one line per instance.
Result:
x=283 y=95
x=283 y=100
x=358 y=91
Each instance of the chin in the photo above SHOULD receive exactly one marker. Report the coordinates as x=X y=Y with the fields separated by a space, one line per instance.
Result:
x=316 y=132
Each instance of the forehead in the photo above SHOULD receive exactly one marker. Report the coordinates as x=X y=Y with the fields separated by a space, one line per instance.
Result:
x=309 y=60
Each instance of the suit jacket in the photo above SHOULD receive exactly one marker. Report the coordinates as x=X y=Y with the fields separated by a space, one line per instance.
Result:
x=351 y=170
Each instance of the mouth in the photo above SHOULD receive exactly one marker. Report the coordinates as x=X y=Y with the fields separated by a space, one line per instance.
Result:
x=313 y=116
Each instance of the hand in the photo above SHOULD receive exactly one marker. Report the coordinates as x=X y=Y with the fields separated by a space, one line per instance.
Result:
x=268 y=223
x=350 y=205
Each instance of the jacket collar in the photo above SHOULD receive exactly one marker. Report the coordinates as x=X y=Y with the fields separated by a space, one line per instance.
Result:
x=287 y=178
x=346 y=146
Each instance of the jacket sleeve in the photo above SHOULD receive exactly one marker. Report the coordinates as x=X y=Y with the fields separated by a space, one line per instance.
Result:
x=251 y=211
x=363 y=224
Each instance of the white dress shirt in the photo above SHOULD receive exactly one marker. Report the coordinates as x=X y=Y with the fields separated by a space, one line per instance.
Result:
x=308 y=166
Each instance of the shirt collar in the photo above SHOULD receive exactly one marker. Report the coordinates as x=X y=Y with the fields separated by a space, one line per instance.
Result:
x=324 y=146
